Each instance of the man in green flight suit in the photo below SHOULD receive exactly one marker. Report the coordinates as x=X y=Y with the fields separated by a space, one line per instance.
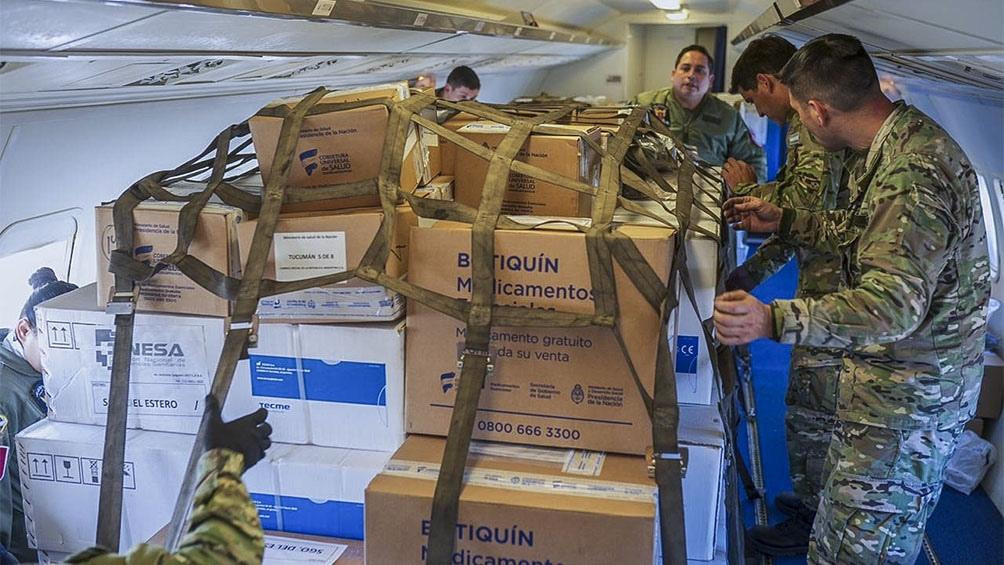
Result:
x=700 y=119
x=810 y=178
x=912 y=320
x=22 y=403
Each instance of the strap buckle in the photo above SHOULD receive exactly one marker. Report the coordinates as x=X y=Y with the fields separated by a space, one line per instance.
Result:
x=683 y=456
x=122 y=303
x=251 y=327
x=489 y=365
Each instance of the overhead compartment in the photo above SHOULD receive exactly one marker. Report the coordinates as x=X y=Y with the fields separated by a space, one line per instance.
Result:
x=961 y=43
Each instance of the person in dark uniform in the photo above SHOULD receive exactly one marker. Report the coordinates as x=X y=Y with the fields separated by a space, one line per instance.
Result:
x=22 y=403
x=462 y=84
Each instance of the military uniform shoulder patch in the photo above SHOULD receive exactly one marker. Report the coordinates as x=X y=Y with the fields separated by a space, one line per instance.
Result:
x=660 y=111
x=4 y=449
x=793 y=138
x=38 y=395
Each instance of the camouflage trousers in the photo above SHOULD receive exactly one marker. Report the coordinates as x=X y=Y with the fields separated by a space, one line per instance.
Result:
x=812 y=403
x=882 y=486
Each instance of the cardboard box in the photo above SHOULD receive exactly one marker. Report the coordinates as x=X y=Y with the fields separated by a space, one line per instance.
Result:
x=156 y=236
x=445 y=152
x=305 y=489
x=341 y=147
x=283 y=548
x=992 y=389
x=567 y=155
x=311 y=245
x=333 y=385
x=60 y=468
x=297 y=489
x=695 y=379
x=173 y=363
x=534 y=505
x=551 y=386
x=440 y=188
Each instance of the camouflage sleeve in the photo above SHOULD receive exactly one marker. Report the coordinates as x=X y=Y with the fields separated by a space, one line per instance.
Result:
x=743 y=148
x=766 y=191
x=825 y=231
x=769 y=258
x=223 y=527
x=900 y=253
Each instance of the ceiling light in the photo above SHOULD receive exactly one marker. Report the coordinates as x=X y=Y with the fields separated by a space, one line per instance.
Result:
x=677 y=15
x=666 y=4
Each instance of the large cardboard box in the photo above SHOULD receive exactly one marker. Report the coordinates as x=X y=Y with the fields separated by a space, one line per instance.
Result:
x=342 y=147
x=695 y=379
x=550 y=386
x=297 y=489
x=567 y=155
x=283 y=548
x=306 y=489
x=173 y=362
x=60 y=467
x=537 y=505
x=311 y=245
x=333 y=385
x=156 y=236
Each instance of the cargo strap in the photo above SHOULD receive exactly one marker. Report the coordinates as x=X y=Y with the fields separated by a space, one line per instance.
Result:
x=604 y=243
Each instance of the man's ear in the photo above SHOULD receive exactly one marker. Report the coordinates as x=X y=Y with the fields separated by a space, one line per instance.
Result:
x=819 y=111
x=767 y=81
x=22 y=329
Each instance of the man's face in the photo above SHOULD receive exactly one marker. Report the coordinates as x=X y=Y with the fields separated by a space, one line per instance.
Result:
x=767 y=99
x=818 y=120
x=692 y=76
x=460 y=93
x=28 y=337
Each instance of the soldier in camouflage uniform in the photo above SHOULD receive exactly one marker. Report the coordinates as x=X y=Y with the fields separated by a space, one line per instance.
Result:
x=22 y=403
x=912 y=321
x=698 y=118
x=223 y=526
x=809 y=179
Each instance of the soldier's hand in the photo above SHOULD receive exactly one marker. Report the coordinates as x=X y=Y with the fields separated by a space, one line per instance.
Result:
x=740 y=318
x=736 y=173
x=752 y=214
x=247 y=435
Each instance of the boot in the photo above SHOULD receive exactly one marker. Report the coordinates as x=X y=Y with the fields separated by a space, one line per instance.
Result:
x=790 y=537
x=789 y=503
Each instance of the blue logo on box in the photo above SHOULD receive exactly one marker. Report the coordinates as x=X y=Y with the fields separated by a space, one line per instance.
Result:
x=686 y=354
x=347 y=382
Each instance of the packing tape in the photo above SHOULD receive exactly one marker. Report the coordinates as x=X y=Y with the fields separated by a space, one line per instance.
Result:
x=528 y=482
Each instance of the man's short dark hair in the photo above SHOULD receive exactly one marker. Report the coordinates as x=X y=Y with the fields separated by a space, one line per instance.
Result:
x=464 y=76
x=833 y=68
x=700 y=49
x=766 y=55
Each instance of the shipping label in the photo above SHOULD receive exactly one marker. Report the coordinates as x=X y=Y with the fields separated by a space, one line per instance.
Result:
x=304 y=255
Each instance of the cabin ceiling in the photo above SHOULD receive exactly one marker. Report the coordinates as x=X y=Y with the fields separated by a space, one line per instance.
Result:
x=959 y=44
x=79 y=52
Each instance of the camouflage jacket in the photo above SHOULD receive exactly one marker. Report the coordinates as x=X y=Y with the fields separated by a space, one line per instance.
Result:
x=21 y=405
x=809 y=179
x=913 y=319
x=714 y=128
x=223 y=526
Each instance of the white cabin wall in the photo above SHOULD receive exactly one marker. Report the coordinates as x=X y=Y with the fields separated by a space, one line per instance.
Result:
x=650 y=46
x=78 y=157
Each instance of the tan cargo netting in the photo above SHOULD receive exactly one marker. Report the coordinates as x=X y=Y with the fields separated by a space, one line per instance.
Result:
x=636 y=161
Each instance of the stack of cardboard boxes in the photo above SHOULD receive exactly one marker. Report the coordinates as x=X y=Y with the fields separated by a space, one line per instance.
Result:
x=557 y=471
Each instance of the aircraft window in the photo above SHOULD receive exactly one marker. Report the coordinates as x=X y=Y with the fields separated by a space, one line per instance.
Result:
x=994 y=239
x=18 y=267
x=25 y=245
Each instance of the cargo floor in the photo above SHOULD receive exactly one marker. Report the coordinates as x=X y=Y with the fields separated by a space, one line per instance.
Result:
x=964 y=529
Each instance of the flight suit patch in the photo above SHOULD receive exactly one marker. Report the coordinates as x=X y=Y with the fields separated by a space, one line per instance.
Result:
x=711 y=119
x=38 y=394
x=660 y=111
